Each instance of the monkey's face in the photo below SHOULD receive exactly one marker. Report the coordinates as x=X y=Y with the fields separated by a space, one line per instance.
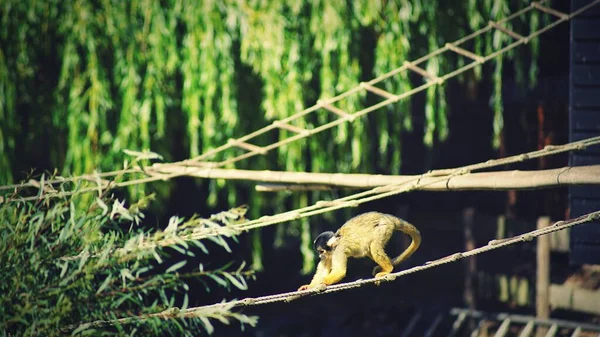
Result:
x=324 y=253
x=324 y=244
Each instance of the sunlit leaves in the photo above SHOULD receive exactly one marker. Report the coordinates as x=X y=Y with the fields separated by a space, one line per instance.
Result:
x=125 y=66
x=7 y=111
x=534 y=24
x=64 y=266
x=145 y=75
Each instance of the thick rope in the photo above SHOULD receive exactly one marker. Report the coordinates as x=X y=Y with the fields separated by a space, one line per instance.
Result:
x=290 y=296
x=389 y=190
x=359 y=198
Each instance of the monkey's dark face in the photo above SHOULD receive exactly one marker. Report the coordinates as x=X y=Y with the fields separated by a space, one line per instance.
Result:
x=323 y=243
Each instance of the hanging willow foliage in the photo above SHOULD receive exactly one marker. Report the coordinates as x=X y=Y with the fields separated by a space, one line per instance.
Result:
x=82 y=80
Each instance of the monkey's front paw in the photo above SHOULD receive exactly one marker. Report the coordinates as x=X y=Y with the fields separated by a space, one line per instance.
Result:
x=321 y=287
x=380 y=275
x=304 y=287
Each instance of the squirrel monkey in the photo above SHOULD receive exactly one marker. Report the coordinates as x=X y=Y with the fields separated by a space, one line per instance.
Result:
x=366 y=234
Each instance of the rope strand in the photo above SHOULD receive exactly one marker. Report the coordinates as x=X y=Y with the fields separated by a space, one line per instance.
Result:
x=293 y=295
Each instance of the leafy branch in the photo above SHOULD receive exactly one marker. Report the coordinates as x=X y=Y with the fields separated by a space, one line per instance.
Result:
x=73 y=259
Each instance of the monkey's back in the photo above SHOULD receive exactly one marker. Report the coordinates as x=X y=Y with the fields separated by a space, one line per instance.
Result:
x=360 y=231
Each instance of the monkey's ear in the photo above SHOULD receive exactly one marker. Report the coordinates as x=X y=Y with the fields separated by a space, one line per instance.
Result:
x=333 y=241
x=322 y=239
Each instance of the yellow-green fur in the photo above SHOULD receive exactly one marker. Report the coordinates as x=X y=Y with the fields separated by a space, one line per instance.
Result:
x=366 y=234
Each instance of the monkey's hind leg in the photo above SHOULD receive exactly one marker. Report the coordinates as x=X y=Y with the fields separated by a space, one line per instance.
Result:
x=380 y=257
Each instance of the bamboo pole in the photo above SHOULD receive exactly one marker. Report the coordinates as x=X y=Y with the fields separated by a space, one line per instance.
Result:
x=501 y=180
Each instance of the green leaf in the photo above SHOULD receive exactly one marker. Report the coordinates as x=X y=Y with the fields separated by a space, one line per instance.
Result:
x=179 y=249
x=240 y=284
x=80 y=328
x=121 y=300
x=176 y=266
x=200 y=245
x=207 y=325
x=156 y=256
x=63 y=270
x=185 y=302
x=217 y=279
x=41 y=188
x=104 y=284
x=84 y=256
x=102 y=205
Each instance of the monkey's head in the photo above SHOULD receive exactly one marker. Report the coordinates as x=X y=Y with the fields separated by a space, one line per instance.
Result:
x=325 y=243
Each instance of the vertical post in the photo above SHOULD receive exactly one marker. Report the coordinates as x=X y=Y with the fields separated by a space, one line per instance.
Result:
x=470 y=262
x=542 y=288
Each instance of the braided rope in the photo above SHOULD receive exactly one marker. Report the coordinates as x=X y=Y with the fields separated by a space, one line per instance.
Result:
x=290 y=296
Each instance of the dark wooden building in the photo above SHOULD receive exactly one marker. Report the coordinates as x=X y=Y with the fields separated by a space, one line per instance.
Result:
x=584 y=112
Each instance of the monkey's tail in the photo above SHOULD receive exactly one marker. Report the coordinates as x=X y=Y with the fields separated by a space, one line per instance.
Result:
x=415 y=235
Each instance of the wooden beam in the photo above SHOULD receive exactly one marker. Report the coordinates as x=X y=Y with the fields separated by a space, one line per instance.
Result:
x=377 y=91
x=543 y=272
x=576 y=299
x=506 y=31
x=337 y=111
x=290 y=127
x=464 y=52
x=422 y=72
x=561 y=15
x=247 y=146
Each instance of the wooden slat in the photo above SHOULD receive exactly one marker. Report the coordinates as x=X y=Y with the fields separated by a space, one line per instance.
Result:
x=503 y=328
x=552 y=331
x=585 y=121
x=527 y=330
x=585 y=52
x=411 y=325
x=587 y=74
x=377 y=91
x=585 y=98
x=292 y=128
x=337 y=111
x=576 y=332
x=457 y=324
x=587 y=233
x=576 y=299
x=477 y=331
x=247 y=146
x=465 y=52
x=431 y=330
x=549 y=10
x=422 y=72
x=506 y=31
x=586 y=28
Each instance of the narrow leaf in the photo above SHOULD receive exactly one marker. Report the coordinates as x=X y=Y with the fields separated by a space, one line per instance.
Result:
x=240 y=284
x=176 y=266
x=104 y=284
